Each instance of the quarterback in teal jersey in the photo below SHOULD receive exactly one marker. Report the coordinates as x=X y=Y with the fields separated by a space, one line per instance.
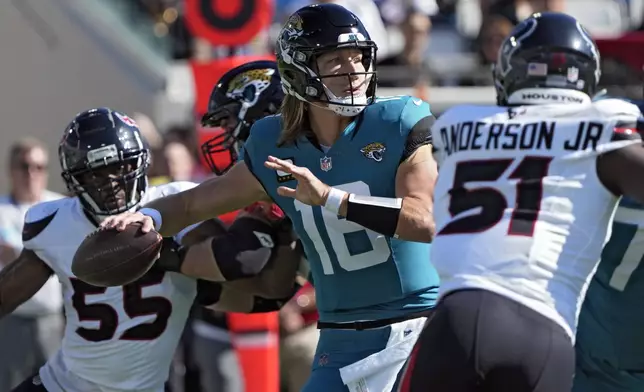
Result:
x=610 y=337
x=355 y=174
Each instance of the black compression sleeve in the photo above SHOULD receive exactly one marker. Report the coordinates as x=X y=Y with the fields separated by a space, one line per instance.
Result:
x=420 y=135
x=208 y=293
x=264 y=305
x=171 y=257
x=379 y=214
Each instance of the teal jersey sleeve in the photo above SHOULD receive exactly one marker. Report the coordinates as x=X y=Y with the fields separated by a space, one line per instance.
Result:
x=247 y=151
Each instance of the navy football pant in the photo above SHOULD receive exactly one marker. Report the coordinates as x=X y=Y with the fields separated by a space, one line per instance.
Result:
x=477 y=340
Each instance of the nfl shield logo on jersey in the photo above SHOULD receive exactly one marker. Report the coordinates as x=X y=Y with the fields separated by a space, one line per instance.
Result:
x=325 y=164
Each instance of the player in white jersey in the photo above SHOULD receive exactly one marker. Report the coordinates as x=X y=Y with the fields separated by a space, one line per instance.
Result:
x=524 y=202
x=123 y=338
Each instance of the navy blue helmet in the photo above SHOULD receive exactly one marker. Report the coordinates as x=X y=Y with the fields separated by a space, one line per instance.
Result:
x=547 y=50
x=242 y=96
x=104 y=161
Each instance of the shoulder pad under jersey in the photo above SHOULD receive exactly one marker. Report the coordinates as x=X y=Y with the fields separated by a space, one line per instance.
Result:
x=159 y=191
x=616 y=107
x=38 y=220
x=388 y=107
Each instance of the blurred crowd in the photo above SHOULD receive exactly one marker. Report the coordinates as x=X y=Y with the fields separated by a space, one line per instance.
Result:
x=436 y=42
x=421 y=42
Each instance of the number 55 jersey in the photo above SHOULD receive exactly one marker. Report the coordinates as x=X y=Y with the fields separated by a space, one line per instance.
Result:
x=519 y=208
x=116 y=338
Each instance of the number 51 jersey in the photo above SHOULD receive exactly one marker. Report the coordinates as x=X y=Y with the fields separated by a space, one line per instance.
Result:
x=518 y=205
x=116 y=338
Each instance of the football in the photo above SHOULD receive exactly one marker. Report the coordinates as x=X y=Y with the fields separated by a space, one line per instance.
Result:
x=109 y=258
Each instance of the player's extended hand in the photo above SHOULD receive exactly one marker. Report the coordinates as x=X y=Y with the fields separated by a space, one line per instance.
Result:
x=309 y=190
x=120 y=221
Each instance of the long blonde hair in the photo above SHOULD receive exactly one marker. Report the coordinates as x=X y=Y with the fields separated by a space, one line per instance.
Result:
x=294 y=119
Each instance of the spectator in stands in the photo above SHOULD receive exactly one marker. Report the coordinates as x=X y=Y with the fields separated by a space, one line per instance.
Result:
x=493 y=31
x=408 y=24
x=149 y=131
x=181 y=163
x=416 y=29
x=177 y=160
x=32 y=332
x=517 y=10
x=409 y=18
x=368 y=13
x=185 y=134
x=158 y=172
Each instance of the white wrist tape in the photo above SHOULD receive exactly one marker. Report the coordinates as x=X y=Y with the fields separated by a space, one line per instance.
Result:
x=155 y=215
x=334 y=200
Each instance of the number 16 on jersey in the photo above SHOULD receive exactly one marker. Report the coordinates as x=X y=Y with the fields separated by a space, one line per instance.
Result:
x=331 y=234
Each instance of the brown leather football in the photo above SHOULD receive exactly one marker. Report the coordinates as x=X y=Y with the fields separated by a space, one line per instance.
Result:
x=108 y=258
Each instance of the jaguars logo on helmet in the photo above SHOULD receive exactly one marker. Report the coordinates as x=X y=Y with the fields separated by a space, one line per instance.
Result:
x=250 y=84
x=242 y=96
x=293 y=27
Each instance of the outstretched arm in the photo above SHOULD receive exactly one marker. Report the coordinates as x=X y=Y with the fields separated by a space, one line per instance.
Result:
x=21 y=279
x=169 y=215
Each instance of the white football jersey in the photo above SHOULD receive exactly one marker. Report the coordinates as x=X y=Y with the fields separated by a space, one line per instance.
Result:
x=117 y=338
x=518 y=205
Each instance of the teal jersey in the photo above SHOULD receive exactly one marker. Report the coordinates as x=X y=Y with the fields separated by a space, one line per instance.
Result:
x=358 y=274
x=611 y=323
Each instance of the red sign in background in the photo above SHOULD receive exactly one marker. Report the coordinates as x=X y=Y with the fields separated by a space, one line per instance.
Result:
x=228 y=22
x=224 y=23
x=627 y=49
